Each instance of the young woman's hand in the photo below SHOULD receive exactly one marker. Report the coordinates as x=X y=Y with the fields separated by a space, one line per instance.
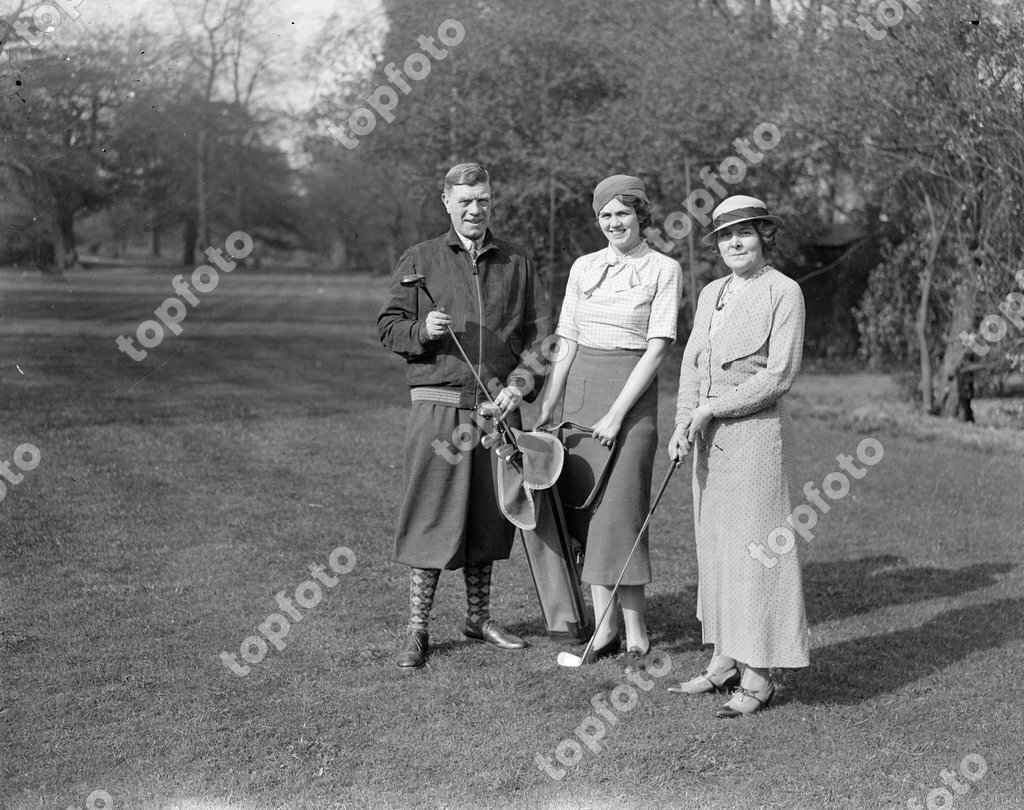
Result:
x=608 y=428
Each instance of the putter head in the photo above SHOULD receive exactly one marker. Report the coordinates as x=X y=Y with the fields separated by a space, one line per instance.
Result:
x=414 y=280
x=566 y=659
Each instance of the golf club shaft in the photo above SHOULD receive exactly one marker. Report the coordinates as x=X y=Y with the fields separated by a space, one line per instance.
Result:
x=498 y=420
x=471 y=366
x=636 y=543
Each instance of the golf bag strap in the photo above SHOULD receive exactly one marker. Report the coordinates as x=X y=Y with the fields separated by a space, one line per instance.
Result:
x=602 y=478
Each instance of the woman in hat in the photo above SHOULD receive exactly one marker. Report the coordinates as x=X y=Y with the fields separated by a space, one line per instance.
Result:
x=741 y=358
x=618 y=319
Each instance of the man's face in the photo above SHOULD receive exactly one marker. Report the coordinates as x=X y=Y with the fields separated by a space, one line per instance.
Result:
x=469 y=208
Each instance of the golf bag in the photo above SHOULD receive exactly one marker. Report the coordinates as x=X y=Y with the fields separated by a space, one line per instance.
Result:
x=553 y=553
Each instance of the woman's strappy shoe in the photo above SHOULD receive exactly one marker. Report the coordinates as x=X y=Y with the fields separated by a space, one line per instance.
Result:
x=747 y=701
x=706 y=682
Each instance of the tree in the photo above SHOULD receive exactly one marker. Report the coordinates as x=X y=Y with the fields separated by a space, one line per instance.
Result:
x=53 y=132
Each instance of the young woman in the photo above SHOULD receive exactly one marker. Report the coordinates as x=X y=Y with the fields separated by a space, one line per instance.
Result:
x=618 y=320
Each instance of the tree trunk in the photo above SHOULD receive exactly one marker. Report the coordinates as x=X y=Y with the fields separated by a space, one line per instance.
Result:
x=155 y=230
x=935 y=231
x=66 y=239
x=955 y=387
x=202 y=225
x=190 y=234
x=921 y=330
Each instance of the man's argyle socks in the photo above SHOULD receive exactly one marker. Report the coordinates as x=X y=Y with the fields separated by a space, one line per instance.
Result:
x=478 y=593
x=422 y=584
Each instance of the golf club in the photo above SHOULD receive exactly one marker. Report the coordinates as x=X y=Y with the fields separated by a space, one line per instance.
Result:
x=567 y=659
x=419 y=280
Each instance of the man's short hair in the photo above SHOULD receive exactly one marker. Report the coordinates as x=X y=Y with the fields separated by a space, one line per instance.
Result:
x=465 y=174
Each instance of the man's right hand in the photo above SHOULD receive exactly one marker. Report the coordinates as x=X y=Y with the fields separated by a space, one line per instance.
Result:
x=437 y=323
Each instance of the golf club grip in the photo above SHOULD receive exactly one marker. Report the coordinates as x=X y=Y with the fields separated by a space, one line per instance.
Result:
x=622 y=573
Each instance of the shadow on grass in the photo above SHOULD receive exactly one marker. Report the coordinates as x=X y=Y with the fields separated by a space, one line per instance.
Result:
x=855 y=671
x=838 y=589
x=832 y=590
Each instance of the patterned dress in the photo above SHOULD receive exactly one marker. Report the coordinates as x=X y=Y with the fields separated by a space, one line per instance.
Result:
x=741 y=360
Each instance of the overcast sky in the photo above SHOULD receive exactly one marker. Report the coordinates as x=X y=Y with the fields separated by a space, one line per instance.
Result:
x=295 y=24
x=307 y=15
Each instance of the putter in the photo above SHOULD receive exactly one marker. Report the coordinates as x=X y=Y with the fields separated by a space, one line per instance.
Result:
x=419 y=280
x=567 y=659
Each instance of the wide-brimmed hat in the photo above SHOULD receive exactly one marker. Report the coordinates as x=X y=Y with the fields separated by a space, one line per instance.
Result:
x=735 y=209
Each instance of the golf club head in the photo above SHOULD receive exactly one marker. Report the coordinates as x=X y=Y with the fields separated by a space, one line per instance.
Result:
x=418 y=280
x=414 y=280
x=507 y=452
x=487 y=410
x=488 y=440
x=566 y=659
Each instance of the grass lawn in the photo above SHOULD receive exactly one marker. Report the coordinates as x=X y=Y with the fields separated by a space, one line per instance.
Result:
x=175 y=496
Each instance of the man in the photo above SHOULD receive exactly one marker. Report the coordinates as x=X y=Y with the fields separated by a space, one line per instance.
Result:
x=487 y=292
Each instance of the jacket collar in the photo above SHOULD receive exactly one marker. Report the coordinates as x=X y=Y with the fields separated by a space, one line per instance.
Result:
x=455 y=241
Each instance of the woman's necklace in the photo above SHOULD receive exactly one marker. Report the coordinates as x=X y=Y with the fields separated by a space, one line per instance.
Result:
x=729 y=290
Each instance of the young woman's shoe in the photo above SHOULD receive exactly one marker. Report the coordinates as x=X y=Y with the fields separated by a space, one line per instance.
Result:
x=747 y=701
x=706 y=682
x=635 y=660
x=607 y=651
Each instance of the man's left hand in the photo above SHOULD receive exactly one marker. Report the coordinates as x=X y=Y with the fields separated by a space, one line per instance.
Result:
x=508 y=400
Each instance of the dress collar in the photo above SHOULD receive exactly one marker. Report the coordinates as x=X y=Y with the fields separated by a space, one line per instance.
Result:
x=638 y=252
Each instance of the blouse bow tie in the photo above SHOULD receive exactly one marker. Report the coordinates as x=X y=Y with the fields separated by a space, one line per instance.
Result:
x=634 y=279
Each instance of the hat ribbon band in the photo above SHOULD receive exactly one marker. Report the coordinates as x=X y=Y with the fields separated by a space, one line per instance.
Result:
x=739 y=213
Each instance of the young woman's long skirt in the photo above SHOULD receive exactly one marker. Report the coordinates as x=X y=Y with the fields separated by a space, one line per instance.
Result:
x=742 y=493
x=595 y=380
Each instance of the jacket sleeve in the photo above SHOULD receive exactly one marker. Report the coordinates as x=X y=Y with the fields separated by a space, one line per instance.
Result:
x=689 y=375
x=785 y=350
x=528 y=376
x=399 y=326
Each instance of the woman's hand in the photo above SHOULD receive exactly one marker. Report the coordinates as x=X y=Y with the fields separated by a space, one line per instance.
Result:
x=543 y=418
x=699 y=420
x=608 y=428
x=679 y=446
